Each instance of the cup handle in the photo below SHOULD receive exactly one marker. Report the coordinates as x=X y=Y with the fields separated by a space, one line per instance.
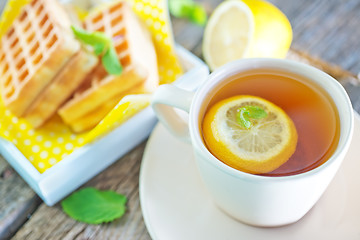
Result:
x=165 y=99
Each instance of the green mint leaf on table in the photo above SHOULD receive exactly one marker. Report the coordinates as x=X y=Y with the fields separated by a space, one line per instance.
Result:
x=188 y=9
x=103 y=46
x=245 y=113
x=92 y=206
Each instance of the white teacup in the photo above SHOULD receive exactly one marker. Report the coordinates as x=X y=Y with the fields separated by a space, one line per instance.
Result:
x=252 y=199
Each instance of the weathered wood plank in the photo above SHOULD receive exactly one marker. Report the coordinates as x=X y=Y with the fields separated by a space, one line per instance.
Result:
x=325 y=28
x=51 y=223
x=328 y=29
x=2 y=5
x=17 y=200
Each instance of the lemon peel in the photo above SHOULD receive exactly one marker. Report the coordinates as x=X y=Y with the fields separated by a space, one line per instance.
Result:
x=245 y=29
x=267 y=145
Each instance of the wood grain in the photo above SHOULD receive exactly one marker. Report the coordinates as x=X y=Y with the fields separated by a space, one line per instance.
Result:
x=122 y=176
x=17 y=200
x=323 y=29
x=328 y=29
x=2 y=5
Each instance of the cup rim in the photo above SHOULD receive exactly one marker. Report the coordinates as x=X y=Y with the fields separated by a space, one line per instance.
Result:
x=332 y=87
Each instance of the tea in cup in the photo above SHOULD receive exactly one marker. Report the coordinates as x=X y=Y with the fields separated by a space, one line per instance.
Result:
x=316 y=128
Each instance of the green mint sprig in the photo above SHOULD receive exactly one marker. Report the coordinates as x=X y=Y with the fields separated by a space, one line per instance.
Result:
x=244 y=114
x=92 y=206
x=103 y=46
x=188 y=9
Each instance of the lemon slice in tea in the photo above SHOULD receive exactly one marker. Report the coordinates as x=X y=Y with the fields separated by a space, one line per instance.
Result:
x=236 y=134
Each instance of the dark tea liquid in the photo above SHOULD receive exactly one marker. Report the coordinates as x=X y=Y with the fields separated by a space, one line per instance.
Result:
x=311 y=109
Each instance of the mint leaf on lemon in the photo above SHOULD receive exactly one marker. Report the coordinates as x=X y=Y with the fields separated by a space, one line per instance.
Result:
x=242 y=118
x=255 y=112
x=241 y=148
x=93 y=206
x=188 y=9
x=245 y=113
x=103 y=46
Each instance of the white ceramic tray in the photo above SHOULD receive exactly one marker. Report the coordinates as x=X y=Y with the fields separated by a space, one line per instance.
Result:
x=84 y=163
x=176 y=205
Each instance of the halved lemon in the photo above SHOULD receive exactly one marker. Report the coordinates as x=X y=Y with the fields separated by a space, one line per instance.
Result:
x=262 y=148
x=245 y=29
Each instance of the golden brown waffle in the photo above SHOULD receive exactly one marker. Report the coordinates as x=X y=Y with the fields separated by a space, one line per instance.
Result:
x=136 y=53
x=91 y=119
x=35 y=48
x=131 y=39
x=61 y=88
x=86 y=99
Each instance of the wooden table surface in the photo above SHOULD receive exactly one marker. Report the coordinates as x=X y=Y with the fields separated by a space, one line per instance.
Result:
x=325 y=31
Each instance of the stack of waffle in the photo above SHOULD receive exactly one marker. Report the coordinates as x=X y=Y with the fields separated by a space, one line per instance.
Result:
x=44 y=70
x=37 y=56
x=100 y=92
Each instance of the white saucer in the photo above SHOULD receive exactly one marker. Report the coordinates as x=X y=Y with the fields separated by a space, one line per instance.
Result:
x=176 y=205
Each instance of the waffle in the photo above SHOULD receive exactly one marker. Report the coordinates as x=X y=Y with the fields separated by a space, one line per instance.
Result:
x=32 y=52
x=136 y=53
x=91 y=119
x=61 y=88
x=87 y=100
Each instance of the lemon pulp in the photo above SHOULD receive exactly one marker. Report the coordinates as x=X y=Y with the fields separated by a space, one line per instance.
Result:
x=267 y=145
x=245 y=29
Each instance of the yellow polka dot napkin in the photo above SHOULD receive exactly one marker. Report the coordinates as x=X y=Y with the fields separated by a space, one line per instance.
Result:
x=11 y=11
x=54 y=141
